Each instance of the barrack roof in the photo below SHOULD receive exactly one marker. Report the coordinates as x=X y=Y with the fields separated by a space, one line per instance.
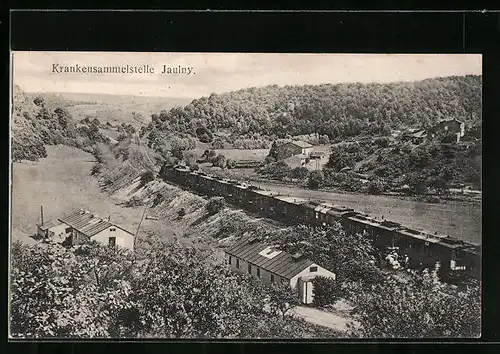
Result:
x=88 y=223
x=282 y=264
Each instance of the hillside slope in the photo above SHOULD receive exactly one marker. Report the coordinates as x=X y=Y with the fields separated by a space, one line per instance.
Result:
x=35 y=123
x=113 y=108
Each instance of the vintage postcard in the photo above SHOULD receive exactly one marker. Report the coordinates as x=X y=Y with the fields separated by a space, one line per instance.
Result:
x=245 y=196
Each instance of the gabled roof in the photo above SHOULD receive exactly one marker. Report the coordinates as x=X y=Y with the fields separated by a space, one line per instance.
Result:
x=301 y=144
x=282 y=264
x=420 y=133
x=450 y=120
x=87 y=223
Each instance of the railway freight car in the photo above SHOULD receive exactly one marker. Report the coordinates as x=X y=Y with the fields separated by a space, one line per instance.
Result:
x=424 y=249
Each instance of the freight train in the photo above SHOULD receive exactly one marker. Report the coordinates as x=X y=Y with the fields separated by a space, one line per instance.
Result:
x=458 y=259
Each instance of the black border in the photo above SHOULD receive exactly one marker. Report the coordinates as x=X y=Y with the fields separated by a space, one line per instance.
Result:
x=261 y=31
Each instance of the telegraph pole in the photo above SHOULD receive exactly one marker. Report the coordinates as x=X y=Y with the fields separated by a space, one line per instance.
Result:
x=138 y=227
x=41 y=213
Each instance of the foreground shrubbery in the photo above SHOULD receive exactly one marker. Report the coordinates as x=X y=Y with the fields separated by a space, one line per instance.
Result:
x=420 y=307
x=412 y=305
x=167 y=291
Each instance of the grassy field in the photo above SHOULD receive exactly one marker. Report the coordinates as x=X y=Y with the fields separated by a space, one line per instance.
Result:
x=62 y=182
x=237 y=154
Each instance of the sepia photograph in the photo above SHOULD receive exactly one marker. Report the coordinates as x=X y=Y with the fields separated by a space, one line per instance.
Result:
x=232 y=196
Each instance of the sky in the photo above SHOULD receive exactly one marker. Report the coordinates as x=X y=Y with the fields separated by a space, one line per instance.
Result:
x=224 y=72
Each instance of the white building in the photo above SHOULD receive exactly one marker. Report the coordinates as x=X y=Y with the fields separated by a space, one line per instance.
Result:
x=82 y=226
x=273 y=266
x=53 y=230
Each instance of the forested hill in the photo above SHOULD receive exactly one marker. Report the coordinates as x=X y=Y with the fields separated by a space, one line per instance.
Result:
x=338 y=110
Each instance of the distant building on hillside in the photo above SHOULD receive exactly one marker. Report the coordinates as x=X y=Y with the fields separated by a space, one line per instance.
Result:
x=293 y=148
x=275 y=266
x=82 y=226
x=415 y=136
x=449 y=126
x=317 y=155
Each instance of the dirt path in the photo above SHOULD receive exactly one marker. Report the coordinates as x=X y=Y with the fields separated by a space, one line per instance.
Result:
x=321 y=318
x=62 y=182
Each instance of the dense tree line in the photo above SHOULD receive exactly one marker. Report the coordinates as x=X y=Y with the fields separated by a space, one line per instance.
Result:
x=333 y=111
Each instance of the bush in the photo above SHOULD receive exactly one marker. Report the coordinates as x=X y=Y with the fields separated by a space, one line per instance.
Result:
x=277 y=170
x=39 y=101
x=190 y=159
x=353 y=184
x=181 y=213
x=204 y=135
x=269 y=159
x=376 y=187
x=218 y=143
x=219 y=161
x=97 y=154
x=316 y=180
x=230 y=163
x=158 y=199
x=208 y=154
x=300 y=172
x=96 y=169
x=147 y=177
x=121 y=137
x=448 y=138
x=432 y=199
x=341 y=157
x=324 y=139
x=382 y=142
x=135 y=201
x=214 y=205
x=326 y=291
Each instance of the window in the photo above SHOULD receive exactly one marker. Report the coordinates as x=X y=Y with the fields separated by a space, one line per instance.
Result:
x=112 y=241
x=313 y=269
x=68 y=230
x=272 y=278
x=230 y=260
x=237 y=263
x=112 y=229
x=258 y=272
x=316 y=215
x=249 y=269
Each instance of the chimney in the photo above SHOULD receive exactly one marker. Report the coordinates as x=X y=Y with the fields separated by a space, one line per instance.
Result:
x=109 y=218
x=297 y=256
